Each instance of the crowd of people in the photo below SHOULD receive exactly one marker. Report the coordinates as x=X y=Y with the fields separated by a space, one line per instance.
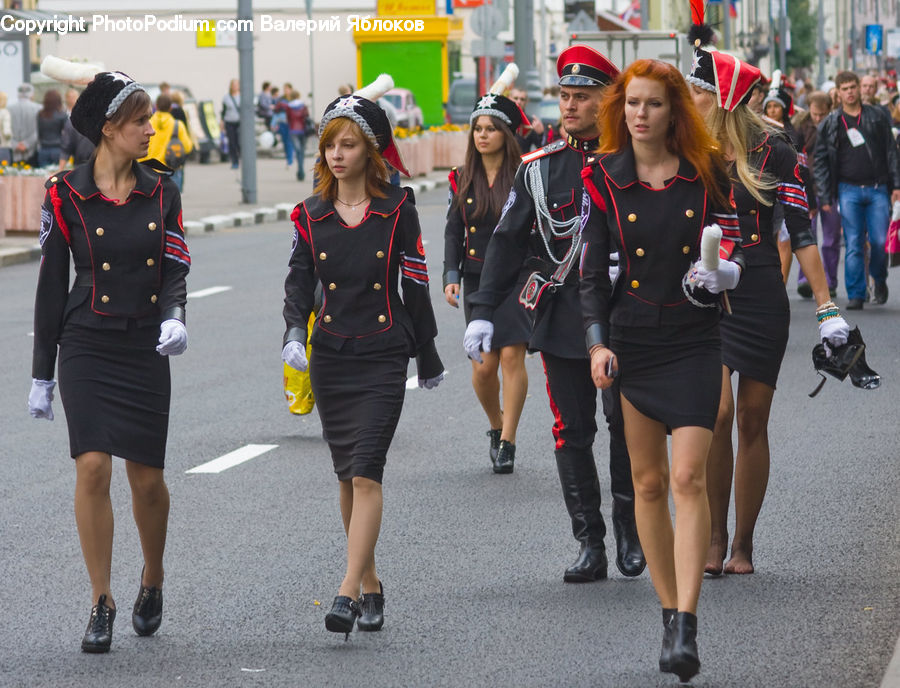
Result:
x=641 y=252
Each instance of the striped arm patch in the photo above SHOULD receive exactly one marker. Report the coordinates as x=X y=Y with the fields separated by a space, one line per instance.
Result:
x=176 y=249
x=793 y=195
x=414 y=269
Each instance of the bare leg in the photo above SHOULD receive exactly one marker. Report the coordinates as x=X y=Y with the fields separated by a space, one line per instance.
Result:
x=646 y=440
x=486 y=384
x=751 y=475
x=362 y=535
x=720 y=468
x=787 y=258
x=515 y=388
x=150 y=506
x=690 y=451
x=94 y=517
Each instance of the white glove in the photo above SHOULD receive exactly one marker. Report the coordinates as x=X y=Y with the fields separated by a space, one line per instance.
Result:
x=39 y=399
x=294 y=354
x=478 y=338
x=431 y=382
x=172 y=338
x=726 y=276
x=834 y=332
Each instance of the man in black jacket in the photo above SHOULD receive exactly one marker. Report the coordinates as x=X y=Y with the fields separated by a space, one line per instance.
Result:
x=856 y=164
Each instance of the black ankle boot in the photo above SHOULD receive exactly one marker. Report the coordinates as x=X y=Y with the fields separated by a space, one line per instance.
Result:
x=342 y=615
x=629 y=554
x=685 y=660
x=495 y=444
x=98 y=636
x=371 y=610
x=506 y=457
x=147 y=613
x=665 y=656
x=590 y=566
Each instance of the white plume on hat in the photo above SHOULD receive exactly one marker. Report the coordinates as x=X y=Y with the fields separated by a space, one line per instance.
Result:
x=776 y=80
x=67 y=71
x=377 y=88
x=506 y=79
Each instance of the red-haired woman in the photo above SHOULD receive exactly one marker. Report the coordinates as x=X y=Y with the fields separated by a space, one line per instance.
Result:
x=653 y=187
x=478 y=193
x=360 y=236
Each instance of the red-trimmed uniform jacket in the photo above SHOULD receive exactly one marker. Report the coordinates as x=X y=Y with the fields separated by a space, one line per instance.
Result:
x=514 y=245
x=776 y=160
x=362 y=269
x=131 y=260
x=657 y=234
x=465 y=239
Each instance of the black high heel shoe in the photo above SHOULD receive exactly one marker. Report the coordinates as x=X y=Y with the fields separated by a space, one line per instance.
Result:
x=146 y=616
x=665 y=656
x=98 y=636
x=506 y=457
x=685 y=659
x=342 y=615
x=371 y=614
x=495 y=444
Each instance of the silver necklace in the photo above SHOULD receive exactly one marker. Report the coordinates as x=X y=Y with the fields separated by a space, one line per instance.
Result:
x=353 y=206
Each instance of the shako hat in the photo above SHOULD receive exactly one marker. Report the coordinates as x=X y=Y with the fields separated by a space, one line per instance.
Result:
x=731 y=79
x=579 y=65
x=495 y=104
x=360 y=106
x=104 y=94
x=779 y=94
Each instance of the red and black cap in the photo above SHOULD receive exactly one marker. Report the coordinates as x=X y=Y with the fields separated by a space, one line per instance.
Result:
x=579 y=65
x=495 y=104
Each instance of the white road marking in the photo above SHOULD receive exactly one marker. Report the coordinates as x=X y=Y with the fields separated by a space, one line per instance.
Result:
x=207 y=292
x=231 y=459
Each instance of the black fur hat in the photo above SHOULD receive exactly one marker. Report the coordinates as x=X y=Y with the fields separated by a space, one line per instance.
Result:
x=99 y=101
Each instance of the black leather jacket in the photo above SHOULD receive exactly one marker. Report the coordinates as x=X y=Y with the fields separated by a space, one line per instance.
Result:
x=875 y=127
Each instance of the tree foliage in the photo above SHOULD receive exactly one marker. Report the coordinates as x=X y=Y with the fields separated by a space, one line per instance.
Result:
x=803 y=50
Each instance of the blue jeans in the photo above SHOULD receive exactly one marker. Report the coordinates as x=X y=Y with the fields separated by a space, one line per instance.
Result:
x=285 y=133
x=865 y=213
x=298 y=140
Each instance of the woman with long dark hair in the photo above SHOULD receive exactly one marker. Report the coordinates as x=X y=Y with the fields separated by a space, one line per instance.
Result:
x=478 y=192
x=654 y=186
x=119 y=222
x=765 y=175
x=360 y=237
x=51 y=120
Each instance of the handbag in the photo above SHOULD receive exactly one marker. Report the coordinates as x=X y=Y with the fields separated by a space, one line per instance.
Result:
x=535 y=288
x=892 y=245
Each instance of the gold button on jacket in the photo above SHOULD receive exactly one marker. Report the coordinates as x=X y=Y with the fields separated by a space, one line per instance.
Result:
x=380 y=254
x=151 y=226
x=639 y=253
x=99 y=231
x=327 y=318
x=104 y=298
x=635 y=284
x=323 y=255
x=332 y=286
x=105 y=266
x=376 y=286
x=153 y=299
x=685 y=249
x=632 y=217
x=150 y=262
x=754 y=237
x=381 y=318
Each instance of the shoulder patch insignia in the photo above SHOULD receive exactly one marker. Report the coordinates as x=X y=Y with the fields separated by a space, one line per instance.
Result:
x=546 y=150
x=46 y=225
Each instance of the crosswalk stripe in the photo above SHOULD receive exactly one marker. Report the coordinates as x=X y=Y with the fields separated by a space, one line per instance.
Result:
x=231 y=459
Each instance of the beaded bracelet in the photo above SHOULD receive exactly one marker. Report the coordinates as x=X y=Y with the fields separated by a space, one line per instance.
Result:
x=828 y=317
x=828 y=305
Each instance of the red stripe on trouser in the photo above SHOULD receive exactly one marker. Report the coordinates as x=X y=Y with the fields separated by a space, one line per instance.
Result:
x=558 y=425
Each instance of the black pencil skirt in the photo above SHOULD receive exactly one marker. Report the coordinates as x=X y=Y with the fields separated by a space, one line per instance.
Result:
x=115 y=389
x=359 y=397
x=512 y=323
x=755 y=334
x=671 y=374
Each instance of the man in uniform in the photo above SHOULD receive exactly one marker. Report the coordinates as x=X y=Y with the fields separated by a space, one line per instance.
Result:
x=540 y=224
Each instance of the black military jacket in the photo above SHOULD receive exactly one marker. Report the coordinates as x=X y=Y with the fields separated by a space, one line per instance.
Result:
x=360 y=269
x=557 y=328
x=465 y=239
x=130 y=260
x=657 y=234
x=776 y=160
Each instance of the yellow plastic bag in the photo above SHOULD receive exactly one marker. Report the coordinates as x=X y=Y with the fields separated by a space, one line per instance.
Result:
x=297 y=388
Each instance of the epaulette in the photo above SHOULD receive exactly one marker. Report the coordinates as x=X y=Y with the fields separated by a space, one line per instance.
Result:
x=592 y=161
x=546 y=150
x=55 y=179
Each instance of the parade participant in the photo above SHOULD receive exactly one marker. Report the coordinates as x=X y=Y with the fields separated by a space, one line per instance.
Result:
x=857 y=167
x=360 y=236
x=477 y=194
x=764 y=172
x=546 y=195
x=120 y=222
x=654 y=185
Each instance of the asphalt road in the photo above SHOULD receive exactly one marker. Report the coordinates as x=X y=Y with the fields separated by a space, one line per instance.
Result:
x=471 y=562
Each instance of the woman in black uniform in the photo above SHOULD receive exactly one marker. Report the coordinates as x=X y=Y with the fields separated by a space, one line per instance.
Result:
x=765 y=174
x=477 y=195
x=656 y=183
x=120 y=222
x=360 y=236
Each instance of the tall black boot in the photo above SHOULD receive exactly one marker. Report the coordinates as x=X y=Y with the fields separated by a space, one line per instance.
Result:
x=629 y=554
x=581 y=492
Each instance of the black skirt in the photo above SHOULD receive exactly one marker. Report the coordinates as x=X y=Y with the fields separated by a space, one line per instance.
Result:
x=755 y=335
x=512 y=323
x=671 y=374
x=115 y=389
x=359 y=397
